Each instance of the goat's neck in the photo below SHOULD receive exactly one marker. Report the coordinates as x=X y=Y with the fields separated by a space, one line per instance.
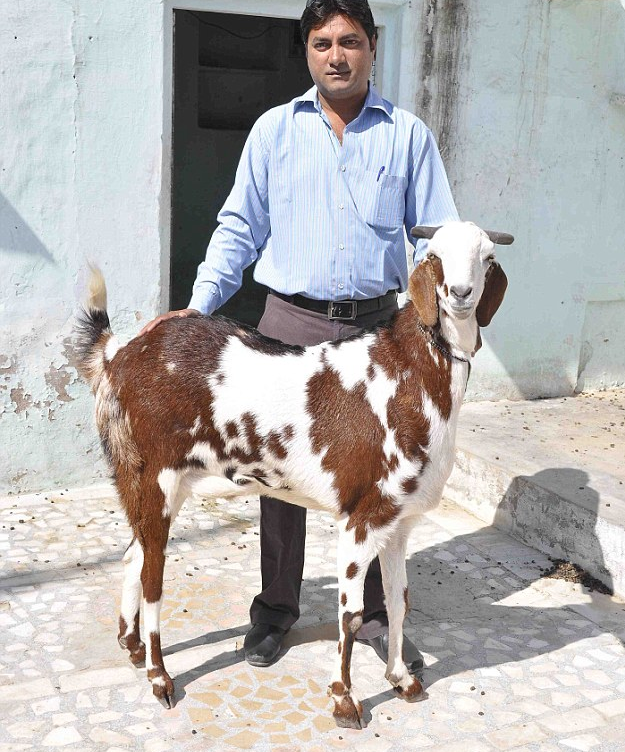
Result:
x=461 y=335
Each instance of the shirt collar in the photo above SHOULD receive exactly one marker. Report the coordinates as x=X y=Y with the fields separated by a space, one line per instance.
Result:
x=372 y=101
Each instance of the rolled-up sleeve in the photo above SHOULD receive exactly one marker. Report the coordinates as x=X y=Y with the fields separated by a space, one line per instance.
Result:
x=243 y=228
x=428 y=196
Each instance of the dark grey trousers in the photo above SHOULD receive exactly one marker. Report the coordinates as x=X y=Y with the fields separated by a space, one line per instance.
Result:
x=283 y=526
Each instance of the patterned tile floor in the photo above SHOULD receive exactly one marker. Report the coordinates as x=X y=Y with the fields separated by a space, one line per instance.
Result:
x=514 y=661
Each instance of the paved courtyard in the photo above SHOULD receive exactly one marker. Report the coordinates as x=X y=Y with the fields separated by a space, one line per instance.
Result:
x=515 y=661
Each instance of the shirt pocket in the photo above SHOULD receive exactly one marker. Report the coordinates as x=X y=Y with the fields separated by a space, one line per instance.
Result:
x=379 y=198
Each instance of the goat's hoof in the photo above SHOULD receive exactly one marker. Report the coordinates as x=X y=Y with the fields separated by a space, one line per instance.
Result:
x=347 y=714
x=137 y=656
x=163 y=690
x=135 y=648
x=414 y=692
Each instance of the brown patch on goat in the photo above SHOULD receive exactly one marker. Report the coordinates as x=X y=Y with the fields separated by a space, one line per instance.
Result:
x=351 y=623
x=275 y=446
x=352 y=571
x=406 y=358
x=358 y=463
x=156 y=655
x=392 y=463
x=406 y=600
x=232 y=430
x=254 y=439
x=375 y=510
x=343 y=599
x=409 y=485
x=131 y=641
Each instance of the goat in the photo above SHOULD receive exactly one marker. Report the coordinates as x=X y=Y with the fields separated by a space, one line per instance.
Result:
x=363 y=428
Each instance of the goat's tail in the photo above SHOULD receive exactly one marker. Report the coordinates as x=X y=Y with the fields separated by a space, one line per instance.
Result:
x=93 y=331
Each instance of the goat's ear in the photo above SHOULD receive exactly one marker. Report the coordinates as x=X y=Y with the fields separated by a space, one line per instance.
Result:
x=494 y=289
x=422 y=289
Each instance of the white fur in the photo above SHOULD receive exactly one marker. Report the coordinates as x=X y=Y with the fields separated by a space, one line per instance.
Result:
x=350 y=360
x=111 y=349
x=131 y=591
x=197 y=424
x=169 y=482
x=151 y=625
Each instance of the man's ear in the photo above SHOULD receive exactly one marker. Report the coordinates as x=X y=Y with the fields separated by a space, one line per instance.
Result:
x=422 y=289
x=494 y=289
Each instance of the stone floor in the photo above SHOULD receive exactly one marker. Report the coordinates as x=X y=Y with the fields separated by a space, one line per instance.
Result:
x=514 y=661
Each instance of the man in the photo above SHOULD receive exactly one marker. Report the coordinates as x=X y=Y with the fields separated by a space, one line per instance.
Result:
x=323 y=191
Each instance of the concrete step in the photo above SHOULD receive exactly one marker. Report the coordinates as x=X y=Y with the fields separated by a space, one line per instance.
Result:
x=552 y=474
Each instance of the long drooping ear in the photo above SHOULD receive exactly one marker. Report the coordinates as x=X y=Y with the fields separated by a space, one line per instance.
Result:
x=422 y=289
x=494 y=289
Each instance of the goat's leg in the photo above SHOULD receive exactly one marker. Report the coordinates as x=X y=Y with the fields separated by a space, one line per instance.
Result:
x=394 y=579
x=129 y=636
x=353 y=563
x=154 y=543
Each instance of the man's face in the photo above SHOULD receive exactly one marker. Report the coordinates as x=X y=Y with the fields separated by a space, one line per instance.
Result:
x=340 y=57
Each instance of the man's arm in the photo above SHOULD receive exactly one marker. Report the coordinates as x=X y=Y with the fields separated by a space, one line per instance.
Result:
x=243 y=228
x=428 y=196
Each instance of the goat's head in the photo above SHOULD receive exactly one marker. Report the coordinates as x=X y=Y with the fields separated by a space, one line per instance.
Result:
x=459 y=278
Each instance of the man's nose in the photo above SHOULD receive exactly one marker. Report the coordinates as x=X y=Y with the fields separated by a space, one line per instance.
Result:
x=337 y=55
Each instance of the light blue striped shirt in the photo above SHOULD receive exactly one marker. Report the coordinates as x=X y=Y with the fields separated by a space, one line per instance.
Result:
x=322 y=219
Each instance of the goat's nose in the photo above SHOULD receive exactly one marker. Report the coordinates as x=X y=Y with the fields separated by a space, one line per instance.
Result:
x=461 y=292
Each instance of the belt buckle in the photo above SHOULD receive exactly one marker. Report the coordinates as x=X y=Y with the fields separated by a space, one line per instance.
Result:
x=344 y=310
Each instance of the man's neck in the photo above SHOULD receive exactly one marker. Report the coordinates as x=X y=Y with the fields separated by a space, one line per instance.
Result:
x=346 y=109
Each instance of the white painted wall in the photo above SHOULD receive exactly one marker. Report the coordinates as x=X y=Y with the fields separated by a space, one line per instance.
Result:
x=537 y=149
x=80 y=133
x=540 y=152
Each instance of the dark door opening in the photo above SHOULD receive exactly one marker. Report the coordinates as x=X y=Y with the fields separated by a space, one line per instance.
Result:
x=228 y=69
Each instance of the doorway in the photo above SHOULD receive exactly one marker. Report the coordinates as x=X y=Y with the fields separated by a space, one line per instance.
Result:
x=227 y=70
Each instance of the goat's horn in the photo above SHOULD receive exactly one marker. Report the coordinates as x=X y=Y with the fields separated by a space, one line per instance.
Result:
x=424 y=231
x=500 y=238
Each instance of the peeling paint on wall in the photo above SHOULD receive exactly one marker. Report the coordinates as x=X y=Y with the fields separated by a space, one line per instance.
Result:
x=21 y=399
x=59 y=379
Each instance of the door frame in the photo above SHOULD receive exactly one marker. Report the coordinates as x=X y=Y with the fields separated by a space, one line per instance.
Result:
x=396 y=79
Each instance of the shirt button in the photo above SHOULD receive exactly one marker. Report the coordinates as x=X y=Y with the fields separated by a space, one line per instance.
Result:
x=341 y=285
x=341 y=247
x=343 y=168
x=341 y=206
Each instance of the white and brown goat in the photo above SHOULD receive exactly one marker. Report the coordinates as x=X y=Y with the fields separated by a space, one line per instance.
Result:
x=362 y=428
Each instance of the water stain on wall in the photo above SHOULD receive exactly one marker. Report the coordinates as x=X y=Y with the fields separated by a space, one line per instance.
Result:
x=445 y=31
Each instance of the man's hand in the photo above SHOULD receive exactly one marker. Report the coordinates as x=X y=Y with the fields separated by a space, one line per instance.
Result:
x=183 y=314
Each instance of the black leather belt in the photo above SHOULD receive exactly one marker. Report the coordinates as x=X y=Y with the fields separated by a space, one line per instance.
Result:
x=345 y=310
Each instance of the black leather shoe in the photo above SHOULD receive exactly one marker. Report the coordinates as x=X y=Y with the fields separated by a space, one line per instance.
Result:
x=412 y=657
x=262 y=644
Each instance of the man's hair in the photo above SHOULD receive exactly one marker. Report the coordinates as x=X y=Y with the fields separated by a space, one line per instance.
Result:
x=317 y=12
